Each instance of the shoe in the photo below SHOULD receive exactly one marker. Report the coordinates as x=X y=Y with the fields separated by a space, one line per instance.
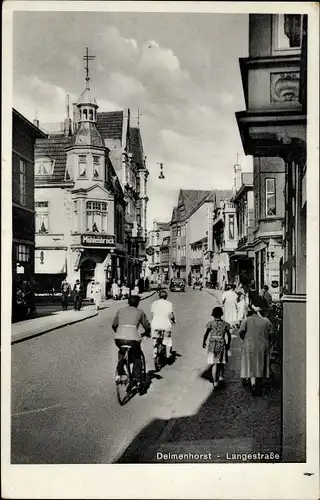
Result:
x=216 y=384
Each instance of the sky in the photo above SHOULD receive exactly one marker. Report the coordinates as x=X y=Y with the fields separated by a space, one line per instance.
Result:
x=181 y=70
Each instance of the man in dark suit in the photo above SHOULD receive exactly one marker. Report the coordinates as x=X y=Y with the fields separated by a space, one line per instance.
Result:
x=78 y=294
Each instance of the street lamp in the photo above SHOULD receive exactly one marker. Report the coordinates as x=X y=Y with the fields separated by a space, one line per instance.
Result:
x=161 y=175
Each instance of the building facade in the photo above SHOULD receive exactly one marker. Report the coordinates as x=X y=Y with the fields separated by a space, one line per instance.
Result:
x=225 y=240
x=24 y=135
x=191 y=233
x=165 y=259
x=273 y=130
x=91 y=199
x=242 y=260
x=155 y=265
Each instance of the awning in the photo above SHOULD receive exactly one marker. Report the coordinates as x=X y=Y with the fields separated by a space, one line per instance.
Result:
x=50 y=262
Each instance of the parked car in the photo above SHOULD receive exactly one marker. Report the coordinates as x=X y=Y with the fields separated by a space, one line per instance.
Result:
x=177 y=285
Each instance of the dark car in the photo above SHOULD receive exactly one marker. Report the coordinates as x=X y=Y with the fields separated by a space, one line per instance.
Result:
x=177 y=285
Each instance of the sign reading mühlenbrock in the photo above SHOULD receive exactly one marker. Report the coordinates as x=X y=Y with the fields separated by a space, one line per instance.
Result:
x=97 y=240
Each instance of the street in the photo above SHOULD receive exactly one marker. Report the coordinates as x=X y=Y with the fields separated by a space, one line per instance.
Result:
x=65 y=409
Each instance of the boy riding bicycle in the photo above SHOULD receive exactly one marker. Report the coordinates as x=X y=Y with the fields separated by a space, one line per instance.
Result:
x=162 y=320
x=125 y=325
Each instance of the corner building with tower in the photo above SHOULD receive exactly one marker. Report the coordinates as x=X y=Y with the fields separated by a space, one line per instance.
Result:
x=90 y=199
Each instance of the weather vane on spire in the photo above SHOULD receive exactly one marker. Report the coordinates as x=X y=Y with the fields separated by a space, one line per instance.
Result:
x=87 y=58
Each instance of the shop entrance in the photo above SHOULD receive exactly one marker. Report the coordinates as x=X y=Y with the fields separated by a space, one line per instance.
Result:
x=87 y=269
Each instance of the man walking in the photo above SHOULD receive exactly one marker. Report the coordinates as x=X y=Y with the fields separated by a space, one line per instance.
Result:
x=65 y=291
x=77 y=292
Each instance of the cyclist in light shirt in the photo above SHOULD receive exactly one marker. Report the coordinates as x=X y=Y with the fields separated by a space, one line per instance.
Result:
x=162 y=319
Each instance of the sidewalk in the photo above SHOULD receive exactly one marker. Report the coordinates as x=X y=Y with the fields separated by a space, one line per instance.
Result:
x=216 y=424
x=44 y=324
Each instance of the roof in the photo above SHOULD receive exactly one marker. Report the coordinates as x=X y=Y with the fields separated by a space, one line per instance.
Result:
x=222 y=195
x=136 y=146
x=163 y=226
x=87 y=98
x=35 y=130
x=110 y=124
x=87 y=135
x=190 y=200
x=54 y=148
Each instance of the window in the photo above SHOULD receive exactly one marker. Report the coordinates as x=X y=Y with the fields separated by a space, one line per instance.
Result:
x=23 y=253
x=23 y=182
x=91 y=114
x=231 y=227
x=270 y=197
x=75 y=216
x=43 y=166
x=287 y=32
x=96 y=167
x=82 y=164
x=96 y=215
x=42 y=217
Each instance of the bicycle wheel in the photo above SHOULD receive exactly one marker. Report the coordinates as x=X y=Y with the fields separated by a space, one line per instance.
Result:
x=123 y=386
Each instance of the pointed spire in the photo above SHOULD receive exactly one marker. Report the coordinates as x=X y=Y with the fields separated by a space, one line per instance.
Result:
x=87 y=58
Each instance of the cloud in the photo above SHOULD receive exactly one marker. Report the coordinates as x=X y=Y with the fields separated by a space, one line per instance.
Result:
x=32 y=95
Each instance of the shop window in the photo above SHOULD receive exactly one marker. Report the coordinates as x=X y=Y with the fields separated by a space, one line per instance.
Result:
x=270 y=197
x=96 y=216
x=82 y=166
x=23 y=183
x=42 y=217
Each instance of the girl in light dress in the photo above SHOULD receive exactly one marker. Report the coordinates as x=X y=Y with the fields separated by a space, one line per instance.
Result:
x=218 y=332
x=242 y=307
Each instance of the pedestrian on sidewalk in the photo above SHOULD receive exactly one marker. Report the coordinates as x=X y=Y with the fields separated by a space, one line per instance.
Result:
x=242 y=307
x=115 y=290
x=77 y=294
x=65 y=292
x=256 y=333
x=229 y=303
x=97 y=295
x=219 y=342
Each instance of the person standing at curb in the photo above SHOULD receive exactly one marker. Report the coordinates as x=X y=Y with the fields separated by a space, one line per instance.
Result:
x=97 y=294
x=77 y=293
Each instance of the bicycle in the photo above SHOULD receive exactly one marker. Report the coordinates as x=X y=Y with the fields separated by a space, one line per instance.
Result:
x=125 y=382
x=160 y=351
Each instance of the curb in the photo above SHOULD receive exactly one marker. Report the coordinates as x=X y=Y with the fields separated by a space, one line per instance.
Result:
x=51 y=329
x=56 y=327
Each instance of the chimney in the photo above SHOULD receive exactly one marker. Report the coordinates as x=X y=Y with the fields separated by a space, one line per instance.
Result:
x=67 y=121
x=76 y=116
x=36 y=121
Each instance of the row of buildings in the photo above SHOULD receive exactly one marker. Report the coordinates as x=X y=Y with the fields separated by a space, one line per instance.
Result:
x=256 y=232
x=79 y=199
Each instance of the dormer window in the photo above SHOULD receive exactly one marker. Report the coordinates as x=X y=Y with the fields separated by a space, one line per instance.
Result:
x=44 y=166
x=82 y=166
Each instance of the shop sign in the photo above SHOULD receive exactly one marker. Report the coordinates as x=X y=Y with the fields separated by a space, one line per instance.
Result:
x=97 y=240
x=150 y=251
x=274 y=284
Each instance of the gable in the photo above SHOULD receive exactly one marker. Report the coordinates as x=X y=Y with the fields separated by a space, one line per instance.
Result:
x=97 y=191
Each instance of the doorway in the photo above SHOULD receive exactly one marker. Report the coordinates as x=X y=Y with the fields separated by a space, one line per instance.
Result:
x=87 y=269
